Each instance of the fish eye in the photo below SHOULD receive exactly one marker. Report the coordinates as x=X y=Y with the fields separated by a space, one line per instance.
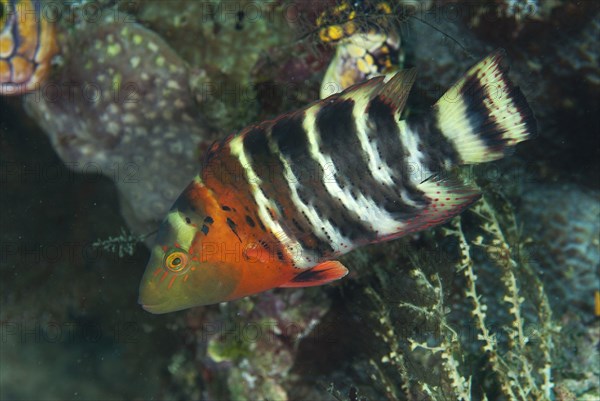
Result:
x=176 y=261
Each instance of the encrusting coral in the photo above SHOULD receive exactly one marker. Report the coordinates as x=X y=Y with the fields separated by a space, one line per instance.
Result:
x=121 y=106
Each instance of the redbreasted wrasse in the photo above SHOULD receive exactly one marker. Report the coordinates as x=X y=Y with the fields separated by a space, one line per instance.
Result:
x=27 y=46
x=276 y=203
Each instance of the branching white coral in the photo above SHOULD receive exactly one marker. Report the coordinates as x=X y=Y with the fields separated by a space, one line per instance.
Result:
x=521 y=366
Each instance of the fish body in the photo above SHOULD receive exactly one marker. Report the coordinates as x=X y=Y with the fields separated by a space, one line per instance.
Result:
x=27 y=46
x=275 y=204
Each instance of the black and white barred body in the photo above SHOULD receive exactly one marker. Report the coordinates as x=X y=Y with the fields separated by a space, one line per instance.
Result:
x=346 y=171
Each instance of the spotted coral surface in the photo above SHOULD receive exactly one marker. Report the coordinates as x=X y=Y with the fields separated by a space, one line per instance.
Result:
x=121 y=106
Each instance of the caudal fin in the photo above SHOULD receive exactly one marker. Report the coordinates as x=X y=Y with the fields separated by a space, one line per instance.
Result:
x=484 y=115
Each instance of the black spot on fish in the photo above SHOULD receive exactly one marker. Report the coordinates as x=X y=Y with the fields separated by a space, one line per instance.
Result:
x=264 y=244
x=280 y=255
x=250 y=221
x=233 y=227
x=204 y=229
x=187 y=220
x=226 y=208
x=298 y=226
x=209 y=220
x=261 y=225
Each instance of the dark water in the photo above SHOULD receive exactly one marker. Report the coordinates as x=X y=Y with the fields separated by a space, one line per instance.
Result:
x=71 y=326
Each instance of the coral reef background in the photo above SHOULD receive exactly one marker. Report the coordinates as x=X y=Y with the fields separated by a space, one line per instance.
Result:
x=496 y=305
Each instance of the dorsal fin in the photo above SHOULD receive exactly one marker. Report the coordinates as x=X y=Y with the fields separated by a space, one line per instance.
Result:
x=393 y=88
x=368 y=89
x=396 y=90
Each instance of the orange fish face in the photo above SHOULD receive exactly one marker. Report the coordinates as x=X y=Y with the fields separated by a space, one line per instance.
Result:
x=201 y=257
x=183 y=270
x=27 y=46
x=176 y=278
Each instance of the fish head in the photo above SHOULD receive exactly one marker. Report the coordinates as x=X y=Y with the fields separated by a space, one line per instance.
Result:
x=186 y=266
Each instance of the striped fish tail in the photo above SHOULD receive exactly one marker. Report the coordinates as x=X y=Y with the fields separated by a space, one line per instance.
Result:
x=484 y=115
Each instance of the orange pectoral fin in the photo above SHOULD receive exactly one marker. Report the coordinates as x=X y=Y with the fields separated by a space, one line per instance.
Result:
x=323 y=273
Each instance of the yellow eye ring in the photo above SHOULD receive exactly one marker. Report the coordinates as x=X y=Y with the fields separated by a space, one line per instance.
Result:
x=176 y=261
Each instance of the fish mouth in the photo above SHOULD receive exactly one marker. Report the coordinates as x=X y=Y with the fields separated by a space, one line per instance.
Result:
x=152 y=308
x=162 y=308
